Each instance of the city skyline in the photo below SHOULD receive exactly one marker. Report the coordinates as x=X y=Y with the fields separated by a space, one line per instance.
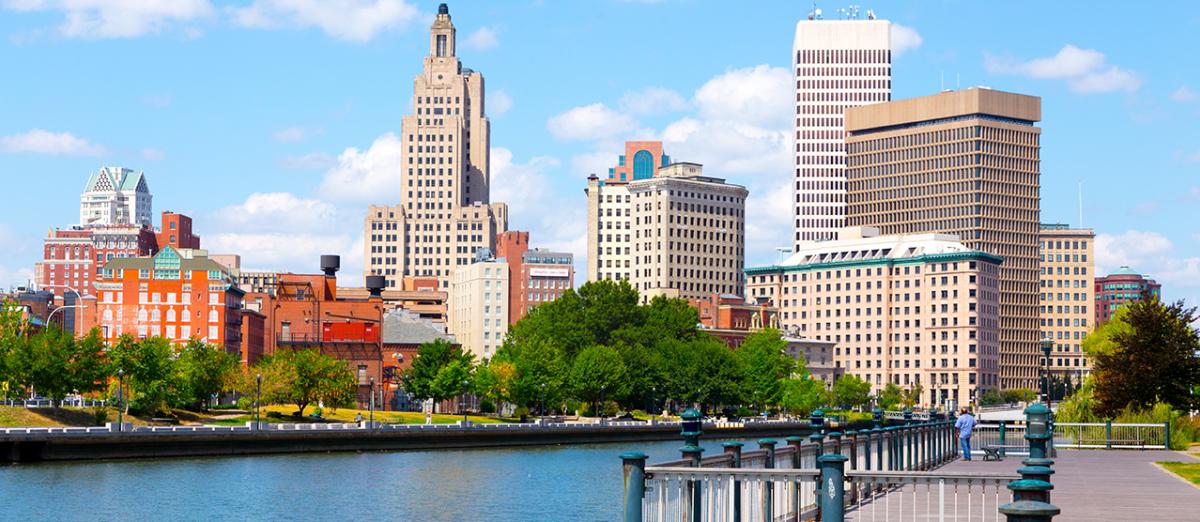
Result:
x=315 y=146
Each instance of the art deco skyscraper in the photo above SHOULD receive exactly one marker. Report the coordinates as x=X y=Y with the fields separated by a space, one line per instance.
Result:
x=967 y=163
x=837 y=64
x=445 y=215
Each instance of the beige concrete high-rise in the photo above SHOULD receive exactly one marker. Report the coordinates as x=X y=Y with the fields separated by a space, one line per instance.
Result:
x=915 y=309
x=836 y=64
x=445 y=215
x=965 y=163
x=478 y=306
x=1068 y=293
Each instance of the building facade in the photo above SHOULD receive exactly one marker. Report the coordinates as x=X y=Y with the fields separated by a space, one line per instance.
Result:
x=837 y=64
x=115 y=196
x=1120 y=288
x=536 y=275
x=907 y=309
x=73 y=258
x=479 y=305
x=676 y=233
x=176 y=294
x=1067 y=279
x=445 y=214
x=965 y=163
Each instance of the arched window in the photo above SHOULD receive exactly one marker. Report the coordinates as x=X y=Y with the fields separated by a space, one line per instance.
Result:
x=108 y=316
x=142 y=315
x=155 y=315
x=171 y=315
x=643 y=165
x=212 y=316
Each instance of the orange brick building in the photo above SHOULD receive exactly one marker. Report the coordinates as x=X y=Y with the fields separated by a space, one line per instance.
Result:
x=731 y=318
x=176 y=294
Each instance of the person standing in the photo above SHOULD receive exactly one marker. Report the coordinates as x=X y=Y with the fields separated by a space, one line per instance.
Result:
x=965 y=424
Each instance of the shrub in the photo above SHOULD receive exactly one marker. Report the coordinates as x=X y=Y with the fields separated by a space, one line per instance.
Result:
x=100 y=415
x=486 y=406
x=318 y=411
x=573 y=406
x=521 y=411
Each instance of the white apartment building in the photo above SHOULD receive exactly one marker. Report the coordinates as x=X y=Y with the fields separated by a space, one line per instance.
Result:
x=1067 y=278
x=479 y=305
x=115 y=196
x=836 y=64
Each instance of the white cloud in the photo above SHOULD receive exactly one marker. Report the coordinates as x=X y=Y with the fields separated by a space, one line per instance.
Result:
x=370 y=176
x=353 y=20
x=523 y=186
x=117 y=18
x=482 y=39
x=277 y=212
x=1084 y=70
x=38 y=141
x=760 y=95
x=725 y=147
x=10 y=277
x=1133 y=248
x=590 y=122
x=598 y=163
x=499 y=102
x=153 y=154
x=1184 y=94
x=310 y=161
x=296 y=251
x=652 y=100
x=904 y=39
x=294 y=133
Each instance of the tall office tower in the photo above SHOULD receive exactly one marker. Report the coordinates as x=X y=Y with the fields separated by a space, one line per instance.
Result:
x=837 y=64
x=674 y=232
x=478 y=305
x=964 y=163
x=115 y=196
x=905 y=309
x=444 y=216
x=1068 y=293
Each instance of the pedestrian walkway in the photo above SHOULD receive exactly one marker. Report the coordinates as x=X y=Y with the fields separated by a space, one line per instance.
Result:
x=1089 y=485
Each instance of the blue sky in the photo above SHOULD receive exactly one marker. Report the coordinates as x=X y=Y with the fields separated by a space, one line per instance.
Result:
x=270 y=121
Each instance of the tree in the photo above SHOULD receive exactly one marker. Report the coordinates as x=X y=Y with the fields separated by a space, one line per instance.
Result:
x=204 y=371
x=851 y=392
x=13 y=328
x=802 y=394
x=766 y=365
x=911 y=396
x=149 y=366
x=41 y=362
x=597 y=372
x=88 y=365
x=890 y=396
x=303 y=377
x=536 y=363
x=428 y=377
x=1152 y=360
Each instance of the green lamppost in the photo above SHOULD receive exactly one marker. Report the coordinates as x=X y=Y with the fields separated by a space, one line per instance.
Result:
x=1031 y=494
x=258 y=402
x=1047 y=345
x=877 y=416
x=372 y=406
x=690 y=430
x=464 y=401
x=121 y=399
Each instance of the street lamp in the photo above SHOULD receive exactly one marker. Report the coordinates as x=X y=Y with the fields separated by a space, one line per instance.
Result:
x=258 y=402
x=78 y=299
x=464 y=401
x=653 y=400
x=372 y=402
x=1047 y=345
x=600 y=409
x=543 y=399
x=121 y=399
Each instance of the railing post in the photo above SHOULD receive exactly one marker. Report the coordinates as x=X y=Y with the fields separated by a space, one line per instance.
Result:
x=878 y=432
x=912 y=447
x=634 y=468
x=1025 y=507
x=797 y=444
x=767 y=445
x=734 y=450
x=833 y=481
x=1108 y=434
x=836 y=437
x=1167 y=435
x=867 y=449
x=853 y=436
x=690 y=429
x=1002 y=452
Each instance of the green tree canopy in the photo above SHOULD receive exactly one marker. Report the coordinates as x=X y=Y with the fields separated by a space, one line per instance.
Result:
x=149 y=366
x=851 y=392
x=766 y=365
x=304 y=377
x=802 y=394
x=438 y=371
x=1152 y=360
x=890 y=396
x=204 y=371
x=597 y=372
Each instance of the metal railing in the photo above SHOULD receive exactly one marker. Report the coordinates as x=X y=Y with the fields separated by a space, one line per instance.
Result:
x=1010 y=436
x=76 y=402
x=901 y=495
x=727 y=494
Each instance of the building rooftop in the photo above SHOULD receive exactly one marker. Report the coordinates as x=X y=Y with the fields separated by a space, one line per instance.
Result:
x=170 y=259
x=949 y=104
x=863 y=244
x=401 y=326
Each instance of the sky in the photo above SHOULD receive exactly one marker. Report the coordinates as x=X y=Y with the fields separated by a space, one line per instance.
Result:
x=273 y=123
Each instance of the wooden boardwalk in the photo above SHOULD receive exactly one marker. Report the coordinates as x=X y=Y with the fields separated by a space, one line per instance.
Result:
x=1088 y=486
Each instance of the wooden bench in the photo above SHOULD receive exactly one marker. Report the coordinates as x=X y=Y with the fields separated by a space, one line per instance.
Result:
x=993 y=451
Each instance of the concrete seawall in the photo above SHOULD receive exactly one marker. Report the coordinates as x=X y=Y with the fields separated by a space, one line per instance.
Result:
x=41 y=447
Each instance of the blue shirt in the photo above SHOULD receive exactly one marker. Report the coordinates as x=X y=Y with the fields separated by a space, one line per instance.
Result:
x=965 y=424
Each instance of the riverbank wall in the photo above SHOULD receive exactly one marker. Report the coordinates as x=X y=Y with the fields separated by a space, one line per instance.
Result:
x=41 y=446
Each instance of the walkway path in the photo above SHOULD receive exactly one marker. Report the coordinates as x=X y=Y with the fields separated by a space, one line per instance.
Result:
x=1088 y=486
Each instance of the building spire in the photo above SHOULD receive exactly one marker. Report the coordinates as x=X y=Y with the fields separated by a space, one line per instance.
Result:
x=441 y=35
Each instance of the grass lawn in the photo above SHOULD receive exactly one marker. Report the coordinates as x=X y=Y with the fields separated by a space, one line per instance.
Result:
x=348 y=415
x=1190 y=471
x=20 y=417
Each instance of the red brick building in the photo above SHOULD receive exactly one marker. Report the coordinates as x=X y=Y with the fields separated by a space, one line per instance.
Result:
x=535 y=275
x=1119 y=289
x=176 y=232
x=731 y=318
x=175 y=294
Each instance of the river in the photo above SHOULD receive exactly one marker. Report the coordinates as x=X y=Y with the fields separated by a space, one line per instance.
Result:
x=551 y=483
